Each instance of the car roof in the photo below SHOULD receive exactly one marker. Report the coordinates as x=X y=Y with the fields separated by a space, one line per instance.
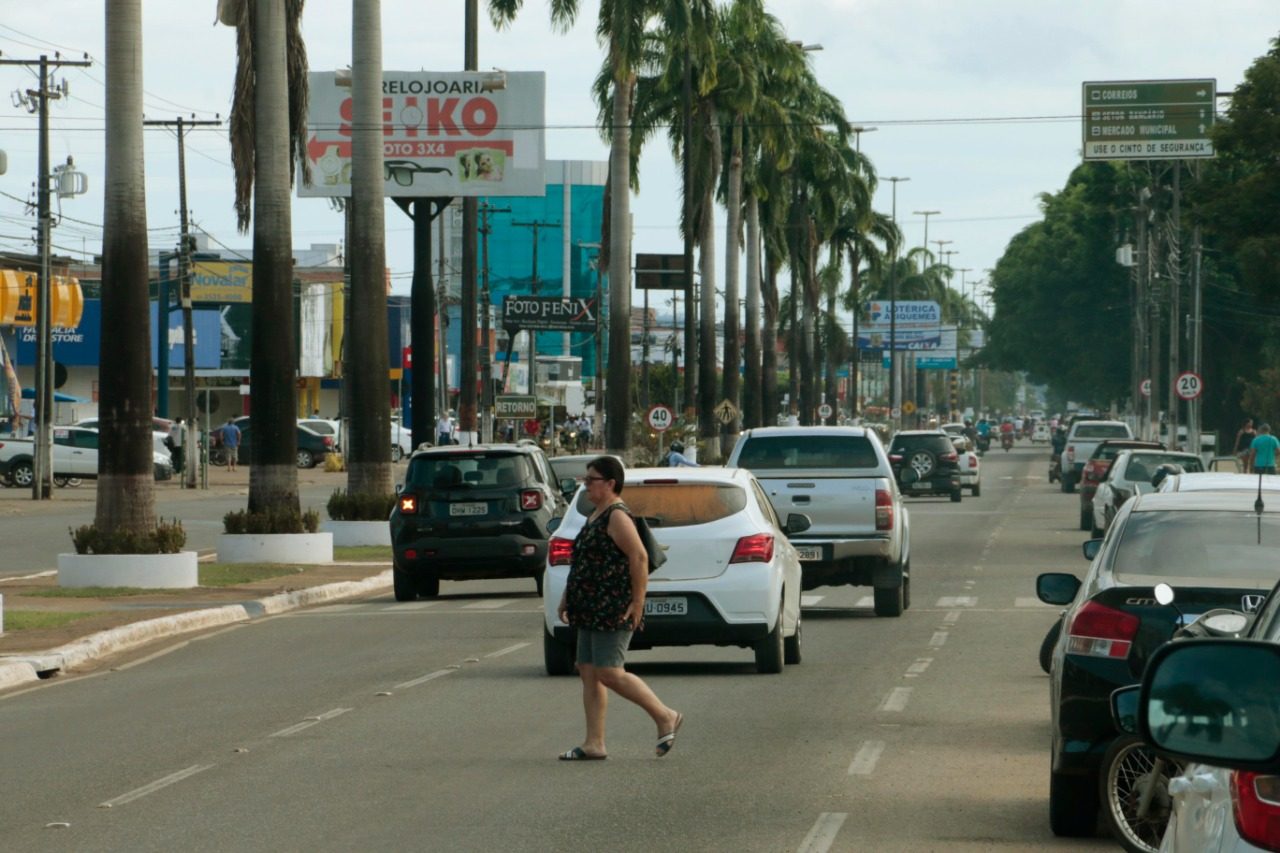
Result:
x=1198 y=481
x=460 y=449
x=1226 y=500
x=766 y=432
x=1097 y=421
x=910 y=432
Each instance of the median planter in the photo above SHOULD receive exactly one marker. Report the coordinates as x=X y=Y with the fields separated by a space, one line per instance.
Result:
x=355 y=534
x=300 y=548
x=148 y=571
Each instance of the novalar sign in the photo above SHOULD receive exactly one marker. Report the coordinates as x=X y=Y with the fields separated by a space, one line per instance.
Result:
x=549 y=314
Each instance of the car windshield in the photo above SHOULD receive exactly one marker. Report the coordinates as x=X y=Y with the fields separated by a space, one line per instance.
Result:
x=1142 y=466
x=1102 y=431
x=467 y=470
x=771 y=453
x=678 y=504
x=1199 y=544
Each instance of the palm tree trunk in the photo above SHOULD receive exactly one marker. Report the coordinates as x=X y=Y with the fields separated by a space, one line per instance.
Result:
x=751 y=390
x=769 y=343
x=732 y=249
x=126 y=479
x=830 y=349
x=618 y=400
x=708 y=426
x=368 y=450
x=808 y=376
x=273 y=476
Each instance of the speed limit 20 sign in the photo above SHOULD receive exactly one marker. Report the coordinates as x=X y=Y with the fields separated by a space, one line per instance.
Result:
x=1188 y=385
x=660 y=418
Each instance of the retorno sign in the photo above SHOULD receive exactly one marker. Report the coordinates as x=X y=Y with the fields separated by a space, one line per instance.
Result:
x=443 y=134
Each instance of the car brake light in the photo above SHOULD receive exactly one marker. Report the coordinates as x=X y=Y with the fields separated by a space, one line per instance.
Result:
x=973 y=461
x=949 y=457
x=663 y=482
x=895 y=457
x=560 y=551
x=1102 y=632
x=531 y=499
x=884 y=510
x=327 y=440
x=1255 y=800
x=1071 y=453
x=408 y=504
x=753 y=549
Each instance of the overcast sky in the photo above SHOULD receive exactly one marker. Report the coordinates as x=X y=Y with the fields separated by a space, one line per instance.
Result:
x=976 y=101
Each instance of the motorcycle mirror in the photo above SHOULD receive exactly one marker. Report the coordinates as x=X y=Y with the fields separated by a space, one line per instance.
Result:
x=1164 y=593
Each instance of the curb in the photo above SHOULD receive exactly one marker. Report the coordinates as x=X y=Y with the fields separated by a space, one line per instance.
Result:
x=24 y=668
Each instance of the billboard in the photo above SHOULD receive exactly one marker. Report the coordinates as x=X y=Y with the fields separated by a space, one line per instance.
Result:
x=548 y=314
x=222 y=281
x=76 y=346
x=206 y=333
x=910 y=312
x=443 y=134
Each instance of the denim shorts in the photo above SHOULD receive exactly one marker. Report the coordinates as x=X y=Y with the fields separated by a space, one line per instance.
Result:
x=602 y=648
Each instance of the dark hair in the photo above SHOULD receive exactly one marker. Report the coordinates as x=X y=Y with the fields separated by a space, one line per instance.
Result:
x=611 y=469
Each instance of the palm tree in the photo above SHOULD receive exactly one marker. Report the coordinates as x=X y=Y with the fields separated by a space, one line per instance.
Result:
x=368 y=458
x=126 y=483
x=860 y=235
x=268 y=118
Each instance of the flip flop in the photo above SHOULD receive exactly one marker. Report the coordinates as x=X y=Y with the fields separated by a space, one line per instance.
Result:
x=669 y=739
x=580 y=754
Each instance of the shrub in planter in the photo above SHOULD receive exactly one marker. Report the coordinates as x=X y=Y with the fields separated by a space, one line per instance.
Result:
x=273 y=520
x=360 y=507
x=165 y=539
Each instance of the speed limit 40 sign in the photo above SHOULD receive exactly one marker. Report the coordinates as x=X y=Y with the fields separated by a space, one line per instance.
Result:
x=1188 y=385
x=660 y=418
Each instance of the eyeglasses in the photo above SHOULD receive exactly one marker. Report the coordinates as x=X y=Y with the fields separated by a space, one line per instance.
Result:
x=404 y=171
x=591 y=478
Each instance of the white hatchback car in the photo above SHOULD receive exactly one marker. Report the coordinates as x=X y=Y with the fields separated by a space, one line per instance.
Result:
x=731 y=577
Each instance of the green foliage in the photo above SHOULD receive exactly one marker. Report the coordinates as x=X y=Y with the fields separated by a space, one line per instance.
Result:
x=234 y=574
x=34 y=620
x=273 y=520
x=347 y=507
x=165 y=539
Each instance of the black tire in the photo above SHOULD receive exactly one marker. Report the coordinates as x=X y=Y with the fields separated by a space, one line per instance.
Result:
x=305 y=458
x=406 y=589
x=22 y=474
x=889 y=600
x=792 y=650
x=1048 y=644
x=537 y=582
x=956 y=496
x=976 y=490
x=1126 y=770
x=922 y=462
x=1073 y=805
x=1086 y=519
x=429 y=587
x=557 y=657
x=906 y=587
x=769 y=651
x=60 y=481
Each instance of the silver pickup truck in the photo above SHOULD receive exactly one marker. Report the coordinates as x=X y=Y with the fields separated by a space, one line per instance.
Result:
x=840 y=478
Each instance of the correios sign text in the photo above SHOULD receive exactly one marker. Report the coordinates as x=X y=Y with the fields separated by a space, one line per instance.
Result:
x=549 y=314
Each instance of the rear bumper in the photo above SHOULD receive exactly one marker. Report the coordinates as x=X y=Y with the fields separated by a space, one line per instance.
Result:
x=701 y=626
x=942 y=485
x=471 y=558
x=876 y=545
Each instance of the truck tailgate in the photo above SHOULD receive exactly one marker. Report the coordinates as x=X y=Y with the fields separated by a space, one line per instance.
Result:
x=837 y=506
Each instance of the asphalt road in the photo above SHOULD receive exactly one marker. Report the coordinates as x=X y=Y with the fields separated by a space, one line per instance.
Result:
x=431 y=726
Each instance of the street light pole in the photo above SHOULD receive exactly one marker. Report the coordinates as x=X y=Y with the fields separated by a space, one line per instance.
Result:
x=926 y=214
x=893 y=313
x=470 y=369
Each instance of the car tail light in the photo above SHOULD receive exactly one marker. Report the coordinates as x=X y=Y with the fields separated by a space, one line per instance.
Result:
x=1102 y=632
x=560 y=551
x=895 y=457
x=973 y=461
x=1071 y=453
x=1255 y=800
x=949 y=457
x=753 y=549
x=327 y=440
x=531 y=499
x=884 y=510
x=408 y=504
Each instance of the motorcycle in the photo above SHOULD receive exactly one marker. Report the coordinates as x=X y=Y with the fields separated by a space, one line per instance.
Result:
x=1055 y=467
x=1006 y=441
x=984 y=444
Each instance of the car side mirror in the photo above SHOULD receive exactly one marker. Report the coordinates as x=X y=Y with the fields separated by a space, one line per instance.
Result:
x=553 y=524
x=1124 y=708
x=1057 y=588
x=1213 y=701
x=1091 y=548
x=797 y=522
x=399 y=488
x=568 y=485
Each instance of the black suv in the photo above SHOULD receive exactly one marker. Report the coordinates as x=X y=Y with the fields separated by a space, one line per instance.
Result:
x=473 y=512
x=925 y=462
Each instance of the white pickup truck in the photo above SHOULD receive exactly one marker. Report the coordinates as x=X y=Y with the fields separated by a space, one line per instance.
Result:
x=841 y=479
x=1082 y=439
x=75 y=456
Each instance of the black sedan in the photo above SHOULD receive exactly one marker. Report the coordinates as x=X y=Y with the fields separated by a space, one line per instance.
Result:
x=1214 y=548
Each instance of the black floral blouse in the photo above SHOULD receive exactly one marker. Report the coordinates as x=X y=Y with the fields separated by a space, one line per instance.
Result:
x=599 y=586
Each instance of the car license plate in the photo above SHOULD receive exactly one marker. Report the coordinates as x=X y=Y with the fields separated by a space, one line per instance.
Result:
x=809 y=553
x=666 y=607
x=476 y=508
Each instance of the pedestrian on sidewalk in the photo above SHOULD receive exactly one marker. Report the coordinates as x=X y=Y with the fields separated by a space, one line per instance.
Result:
x=231 y=442
x=604 y=600
x=178 y=441
x=1244 y=441
x=1263 y=450
x=444 y=430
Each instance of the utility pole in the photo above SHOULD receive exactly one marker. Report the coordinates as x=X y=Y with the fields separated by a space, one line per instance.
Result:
x=926 y=214
x=894 y=388
x=486 y=356
x=184 y=289
x=1174 y=264
x=536 y=225
x=467 y=374
x=37 y=100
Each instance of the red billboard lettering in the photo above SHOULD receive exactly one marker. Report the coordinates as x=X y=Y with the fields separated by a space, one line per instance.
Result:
x=440 y=113
x=480 y=116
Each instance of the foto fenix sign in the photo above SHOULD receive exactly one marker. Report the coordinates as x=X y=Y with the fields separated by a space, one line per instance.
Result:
x=549 y=314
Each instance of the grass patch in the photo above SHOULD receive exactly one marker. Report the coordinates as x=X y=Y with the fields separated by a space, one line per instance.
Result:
x=362 y=554
x=231 y=574
x=88 y=592
x=25 y=620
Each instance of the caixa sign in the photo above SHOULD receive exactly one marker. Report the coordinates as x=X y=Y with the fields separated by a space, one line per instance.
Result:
x=549 y=314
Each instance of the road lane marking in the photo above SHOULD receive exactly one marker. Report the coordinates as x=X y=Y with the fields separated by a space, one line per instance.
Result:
x=864 y=761
x=138 y=793
x=423 y=680
x=508 y=650
x=897 y=699
x=1029 y=602
x=310 y=721
x=413 y=605
x=952 y=617
x=489 y=605
x=939 y=638
x=30 y=577
x=918 y=667
x=950 y=601
x=339 y=608
x=866 y=601
x=810 y=600
x=823 y=834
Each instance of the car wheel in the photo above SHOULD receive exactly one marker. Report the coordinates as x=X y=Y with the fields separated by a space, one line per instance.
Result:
x=1086 y=519
x=1128 y=770
x=429 y=587
x=923 y=463
x=404 y=586
x=305 y=459
x=955 y=496
x=791 y=651
x=889 y=600
x=537 y=582
x=906 y=586
x=769 y=651
x=1073 y=805
x=397 y=453
x=1047 y=645
x=556 y=656
x=23 y=474
x=976 y=490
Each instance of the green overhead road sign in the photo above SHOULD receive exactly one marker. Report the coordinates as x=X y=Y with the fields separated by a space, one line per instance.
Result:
x=1149 y=119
